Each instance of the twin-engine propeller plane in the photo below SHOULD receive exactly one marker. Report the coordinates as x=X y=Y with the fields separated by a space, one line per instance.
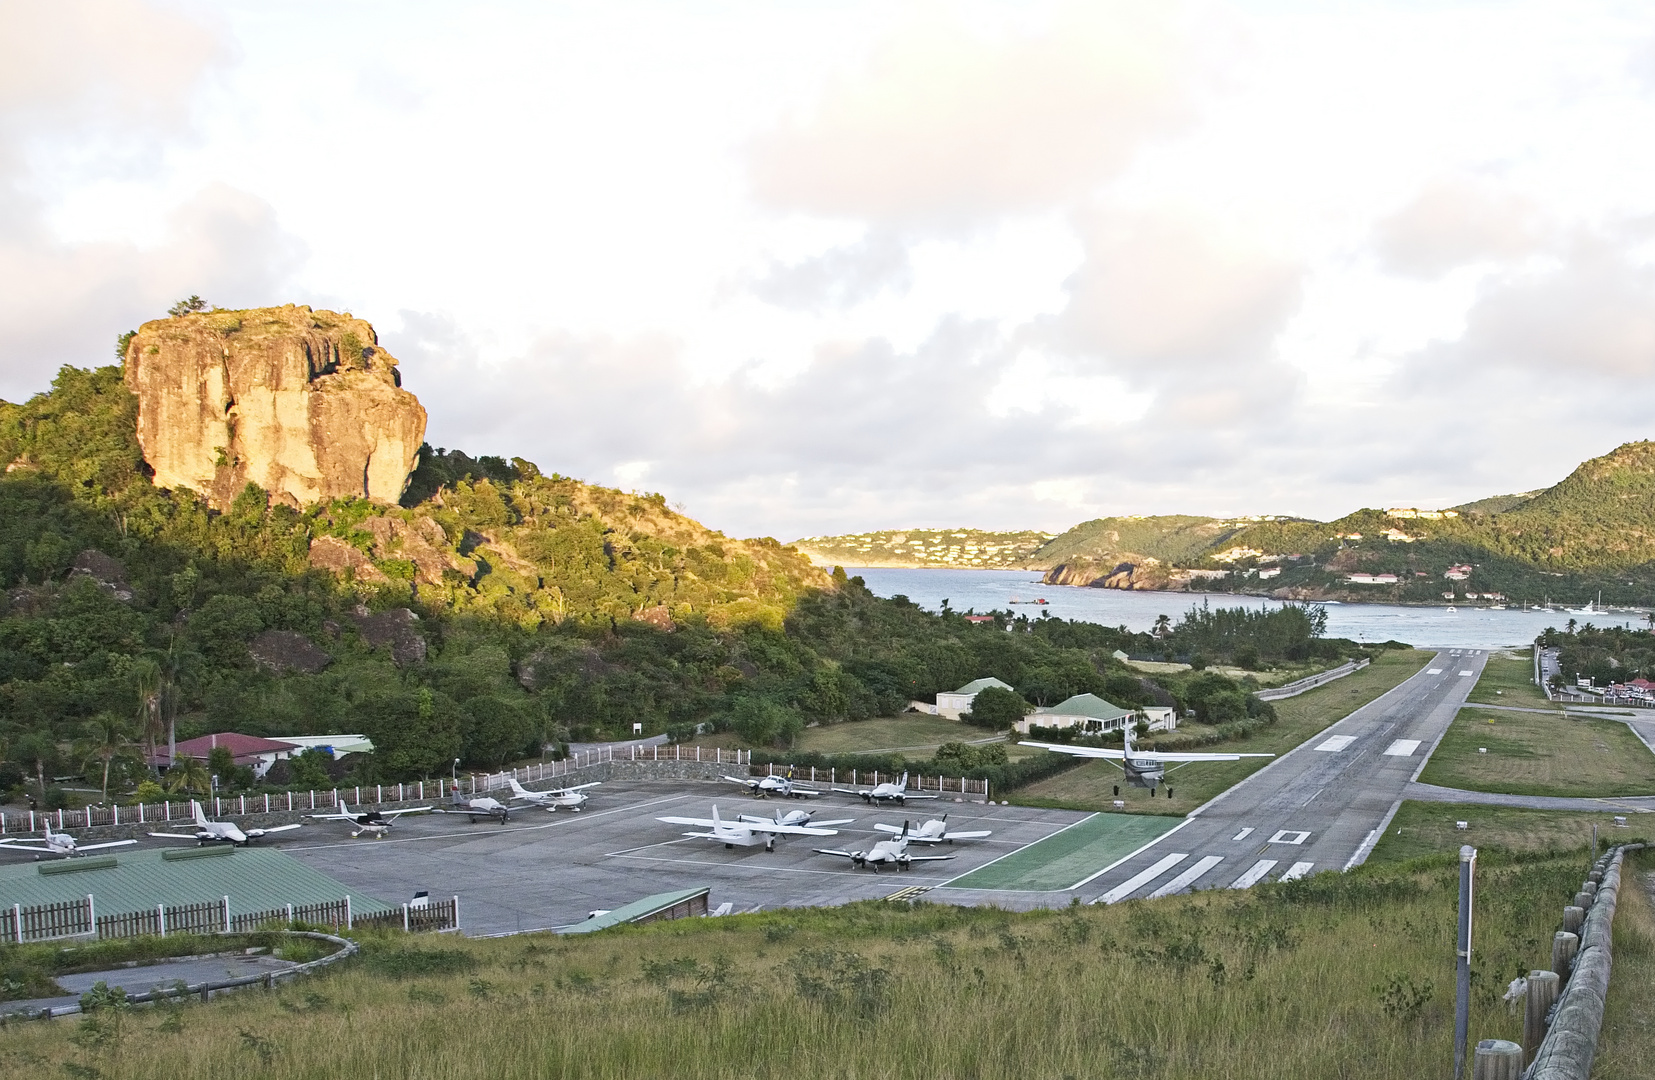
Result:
x=221 y=832
x=894 y=852
x=375 y=823
x=794 y=817
x=762 y=786
x=1143 y=768
x=59 y=844
x=746 y=832
x=934 y=831
x=478 y=806
x=572 y=798
x=896 y=792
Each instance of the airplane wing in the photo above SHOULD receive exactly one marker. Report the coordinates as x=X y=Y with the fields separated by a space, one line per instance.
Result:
x=1154 y=755
x=788 y=830
x=838 y=821
x=976 y=835
x=852 y=791
x=181 y=836
x=931 y=858
x=698 y=822
x=340 y=816
x=742 y=781
x=841 y=854
x=892 y=829
x=571 y=790
x=1080 y=751
x=256 y=833
x=13 y=845
x=408 y=810
x=804 y=791
x=910 y=798
x=110 y=844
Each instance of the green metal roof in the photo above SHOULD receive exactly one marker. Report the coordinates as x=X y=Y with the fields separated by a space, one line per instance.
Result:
x=255 y=879
x=1088 y=705
x=975 y=685
x=649 y=905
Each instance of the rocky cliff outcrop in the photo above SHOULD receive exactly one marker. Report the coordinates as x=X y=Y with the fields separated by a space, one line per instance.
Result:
x=303 y=403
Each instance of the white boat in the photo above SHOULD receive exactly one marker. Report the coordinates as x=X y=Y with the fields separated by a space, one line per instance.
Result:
x=1451 y=610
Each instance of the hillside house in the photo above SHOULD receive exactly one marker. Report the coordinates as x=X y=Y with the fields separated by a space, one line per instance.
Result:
x=1088 y=712
x=952 y=703
x=1371 y=579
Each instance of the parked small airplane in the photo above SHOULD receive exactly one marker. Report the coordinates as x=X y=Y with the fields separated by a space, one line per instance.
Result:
x=375 y=823
x=1143 y=768
x=935 y=831
x=746 y=833
x=478 y=806
x=227 y=832
x=761 y=786
x=794 y=817
x=896 y=792
x=59 y=844
x=571 y=797
x=887 y=851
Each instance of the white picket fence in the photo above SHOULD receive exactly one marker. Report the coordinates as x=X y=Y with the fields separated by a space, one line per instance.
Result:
x=239 y=805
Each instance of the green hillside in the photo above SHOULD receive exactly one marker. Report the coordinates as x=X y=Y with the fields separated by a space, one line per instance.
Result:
x=973 y=549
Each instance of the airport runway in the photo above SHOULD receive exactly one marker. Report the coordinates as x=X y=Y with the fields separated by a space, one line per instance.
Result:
x=1321 y=806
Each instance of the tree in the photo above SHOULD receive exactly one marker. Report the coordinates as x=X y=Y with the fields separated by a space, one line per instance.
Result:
x=185 y=307
x=104 y=739
x=147 y=680
x=996 y=709
x=35 y=752
x=188 y=774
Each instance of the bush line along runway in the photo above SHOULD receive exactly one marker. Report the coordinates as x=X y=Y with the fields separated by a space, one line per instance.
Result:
x=1321 y=806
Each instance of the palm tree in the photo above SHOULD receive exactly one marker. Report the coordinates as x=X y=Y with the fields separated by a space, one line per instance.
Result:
x=189 y=774
x=104 y=739
x=147 y=679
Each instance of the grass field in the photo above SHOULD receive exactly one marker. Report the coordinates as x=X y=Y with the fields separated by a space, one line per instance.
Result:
x=1626 y=1044
x=1066 y=858
x=1336 y=975
x=1091 y=787
x=1508 y=681
x=1541 y=754
x=1427 y=828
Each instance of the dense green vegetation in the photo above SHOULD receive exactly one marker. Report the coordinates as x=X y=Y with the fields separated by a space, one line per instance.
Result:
x=1610 y=655
x=1336 y=974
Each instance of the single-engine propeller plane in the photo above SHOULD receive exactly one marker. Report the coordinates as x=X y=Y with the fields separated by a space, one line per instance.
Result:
x=478 y=806
x=896 y=791
x=1143 y=768
x=572 y=798
x=761 y=786
x=375 y=823
x=221 y=832
x=894 y=852
x=794 y=817
x=746 y=832
x=934 y=831
x=59 y=844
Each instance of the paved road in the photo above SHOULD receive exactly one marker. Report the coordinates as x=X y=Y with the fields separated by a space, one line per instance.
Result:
x=1322 y=806
x=139 y=980
x=1638 y=804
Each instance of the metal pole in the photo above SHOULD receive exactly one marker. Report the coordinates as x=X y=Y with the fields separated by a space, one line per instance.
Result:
x=1462 y=992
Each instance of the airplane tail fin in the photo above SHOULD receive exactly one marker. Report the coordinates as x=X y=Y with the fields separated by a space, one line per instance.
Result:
x=200 y=814
x=903 y=783
x=716 y=820
x=516 y=788
x=454 y=795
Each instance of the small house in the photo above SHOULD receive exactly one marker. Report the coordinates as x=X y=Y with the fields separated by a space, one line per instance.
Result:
x=951 y=704
x=1088 y=712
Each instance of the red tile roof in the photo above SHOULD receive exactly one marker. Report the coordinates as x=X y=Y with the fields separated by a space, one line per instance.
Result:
x=246 y=748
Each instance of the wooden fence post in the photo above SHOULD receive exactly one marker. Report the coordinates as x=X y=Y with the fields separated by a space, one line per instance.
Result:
x=1573 y=917
x=91 y=915
x=1564 y=947
x=1541 y=997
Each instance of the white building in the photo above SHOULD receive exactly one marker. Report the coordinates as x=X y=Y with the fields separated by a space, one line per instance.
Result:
x=953 y=703
x=1088 y=712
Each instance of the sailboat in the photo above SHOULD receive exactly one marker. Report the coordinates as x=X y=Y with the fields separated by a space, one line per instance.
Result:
x=1589 y=609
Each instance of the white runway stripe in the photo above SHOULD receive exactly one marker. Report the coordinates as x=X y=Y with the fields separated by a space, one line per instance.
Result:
x=1337 y=743
x=1402 y=748
x=1187 y=878
x=1133 y=884
x=1434 y=671
x=1297 y=870
x=1243 y=834
x=1256 y=871
x=1465 y=672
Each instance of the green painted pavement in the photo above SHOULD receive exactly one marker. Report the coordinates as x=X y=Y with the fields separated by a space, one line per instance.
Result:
x=1065 y=857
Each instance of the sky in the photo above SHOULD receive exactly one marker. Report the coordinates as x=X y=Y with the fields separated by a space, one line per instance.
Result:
x=819 y=267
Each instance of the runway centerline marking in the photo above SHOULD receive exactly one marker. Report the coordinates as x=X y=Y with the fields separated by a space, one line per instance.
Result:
x=1402 y=748
x=1254 y=873
x=1188 y=877
x=1336 y=743
x=1144 y=877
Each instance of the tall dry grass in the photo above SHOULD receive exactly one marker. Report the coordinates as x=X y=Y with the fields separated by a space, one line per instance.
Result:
x=1336 y=975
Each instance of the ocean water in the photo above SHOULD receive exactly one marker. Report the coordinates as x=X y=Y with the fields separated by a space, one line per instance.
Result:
x=983 y=590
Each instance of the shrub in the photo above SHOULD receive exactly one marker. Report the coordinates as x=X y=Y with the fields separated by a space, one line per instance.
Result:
x=996 y=709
